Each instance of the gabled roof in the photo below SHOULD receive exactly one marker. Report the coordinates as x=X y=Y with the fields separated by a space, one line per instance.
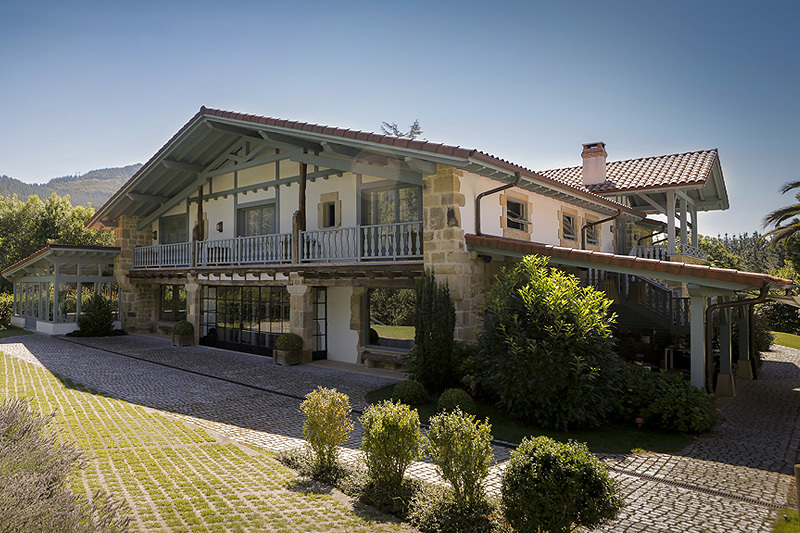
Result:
x=721 y=278
x=57 y=251
x=201 y=145
x=698 y=172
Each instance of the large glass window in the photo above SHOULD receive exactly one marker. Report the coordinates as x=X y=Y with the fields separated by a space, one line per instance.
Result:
x=172 y=303
x=258 y=220
x=387 y=206
x=173 y=229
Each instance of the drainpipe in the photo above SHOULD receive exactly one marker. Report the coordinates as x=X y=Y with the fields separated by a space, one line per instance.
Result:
x=517 y=178
x=762 y=297
x=592 y=224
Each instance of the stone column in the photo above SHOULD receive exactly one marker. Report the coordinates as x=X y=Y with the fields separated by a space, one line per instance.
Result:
x=697 y=313
x=725 y=382
x=193 y=304
x=138 y=305
x=745 y=366
x=301 y=317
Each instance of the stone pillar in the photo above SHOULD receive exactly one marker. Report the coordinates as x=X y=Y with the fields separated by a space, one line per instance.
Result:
x=193 y=304
x=138 y=304
x=745 y=366
x=301 y=317
x=697 y=313
x=725 y=382
x=445 y=251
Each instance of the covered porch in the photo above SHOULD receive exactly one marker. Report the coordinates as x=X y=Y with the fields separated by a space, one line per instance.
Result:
x=51 y=285
x=709 y=290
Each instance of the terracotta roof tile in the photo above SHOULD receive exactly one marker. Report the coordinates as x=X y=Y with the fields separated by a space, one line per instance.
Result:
x=645 y=173
x=752 y=279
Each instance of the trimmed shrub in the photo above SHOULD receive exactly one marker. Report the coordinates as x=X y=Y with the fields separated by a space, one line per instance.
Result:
x=453 y=399
x=289 y=342
x=6 y=309
x=183 y=327
x=461 y=449
x=555 y=486
x=391 y=441
x=781 y=317
x=410 y=392
x=37 y=467
x=434 y=510
x=327 y=425
x=96 y=319
x=431 y=361
x=547 y=345
x=665 y=401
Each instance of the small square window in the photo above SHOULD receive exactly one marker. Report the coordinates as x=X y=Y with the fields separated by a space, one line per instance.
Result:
x=591 y=234
x=328 y=214
x=515 y=215
x=568 y=227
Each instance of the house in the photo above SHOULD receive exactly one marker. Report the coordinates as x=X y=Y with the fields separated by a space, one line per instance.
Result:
x=250 y=226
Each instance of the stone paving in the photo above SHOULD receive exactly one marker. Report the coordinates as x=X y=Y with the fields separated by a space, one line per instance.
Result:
x=729 y=480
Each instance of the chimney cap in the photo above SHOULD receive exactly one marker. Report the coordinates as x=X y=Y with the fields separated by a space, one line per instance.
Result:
x=595 y=149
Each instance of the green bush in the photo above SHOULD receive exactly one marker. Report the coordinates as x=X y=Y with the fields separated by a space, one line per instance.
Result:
x=665 y=401
x=781 y=317
x=183 y=327
x=461 y=449
x=36 y=469
x=469 y=367
x=96 y=319
x=289 y=342
x=547 y=345
x=554 y=486
x=452 y=399
x=410 y=392
x=434 y=510
x=6 y=309
x=391 y=441
x=431 y=361
x=392 y=307
x=327 y=425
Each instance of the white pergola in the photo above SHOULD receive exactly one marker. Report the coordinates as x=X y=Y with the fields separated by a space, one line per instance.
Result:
x=50 y=284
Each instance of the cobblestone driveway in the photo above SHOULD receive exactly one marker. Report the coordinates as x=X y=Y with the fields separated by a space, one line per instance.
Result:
x=730 y=480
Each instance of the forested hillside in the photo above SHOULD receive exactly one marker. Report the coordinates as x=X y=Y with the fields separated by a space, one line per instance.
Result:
x=94 y=187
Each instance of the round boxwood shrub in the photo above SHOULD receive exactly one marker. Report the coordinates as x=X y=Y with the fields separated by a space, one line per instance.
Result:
x=547 y=348
x=556 y=486
x=96 y=318
x=183 y=327
x=410 y=392
x=288 y=342
x=456 y=398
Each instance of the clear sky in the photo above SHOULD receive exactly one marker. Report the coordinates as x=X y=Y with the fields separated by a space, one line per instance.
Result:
x=86 y=85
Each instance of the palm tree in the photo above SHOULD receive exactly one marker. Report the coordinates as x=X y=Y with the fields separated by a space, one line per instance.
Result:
x=778 y=217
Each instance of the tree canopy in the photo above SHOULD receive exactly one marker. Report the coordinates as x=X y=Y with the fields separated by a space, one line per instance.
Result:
x=391 y=128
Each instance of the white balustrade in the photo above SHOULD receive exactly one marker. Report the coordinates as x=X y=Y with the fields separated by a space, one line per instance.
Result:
x=402 y=240
x=259 y=249
x=162 y=255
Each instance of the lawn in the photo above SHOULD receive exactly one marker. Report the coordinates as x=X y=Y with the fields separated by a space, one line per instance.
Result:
x=176 y=478
x=787 y=339
x=11 y=331
x=395 y=332
x=607 y=439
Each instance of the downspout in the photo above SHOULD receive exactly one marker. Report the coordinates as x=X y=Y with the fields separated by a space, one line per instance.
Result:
x=517 y=179
x=762 y=297
x=592 y=224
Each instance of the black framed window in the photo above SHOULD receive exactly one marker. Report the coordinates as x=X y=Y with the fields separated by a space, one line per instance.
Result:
x=172 y=303
x=389 y=206
x=568 y=227
x=515 y=215
x=257 y=220
x=173 y=229
x=591 y=234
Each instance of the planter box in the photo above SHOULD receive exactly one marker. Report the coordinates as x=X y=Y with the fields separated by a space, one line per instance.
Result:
x=182 y=340
x=285 y=358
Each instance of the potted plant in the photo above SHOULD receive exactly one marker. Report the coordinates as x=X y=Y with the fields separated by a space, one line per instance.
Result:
x=288 y=349
x=182 y=333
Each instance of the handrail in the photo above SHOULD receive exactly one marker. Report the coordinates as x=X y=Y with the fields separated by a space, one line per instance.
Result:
x=397 y=241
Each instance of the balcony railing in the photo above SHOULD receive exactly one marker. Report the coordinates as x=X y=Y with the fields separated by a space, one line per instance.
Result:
x=660 y=252
x=393 y=242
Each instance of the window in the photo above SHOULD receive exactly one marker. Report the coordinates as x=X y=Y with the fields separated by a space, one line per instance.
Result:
x=257 y=220
x=591 y=233
x=172 y=229
x=172 y=303
x=329 y=214
x=388 y=206
x=568 y=227
x=515 y=215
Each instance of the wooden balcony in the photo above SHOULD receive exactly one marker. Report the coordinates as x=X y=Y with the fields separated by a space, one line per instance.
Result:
x=659 y=251
x=383 y=242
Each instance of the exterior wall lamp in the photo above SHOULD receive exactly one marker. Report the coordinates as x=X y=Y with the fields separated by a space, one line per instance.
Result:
x=155 y=235
x=219 y=226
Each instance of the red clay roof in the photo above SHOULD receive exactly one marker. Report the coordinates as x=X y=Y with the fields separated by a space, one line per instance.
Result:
x=751 y=279
x=689 y=168
x=49 y=247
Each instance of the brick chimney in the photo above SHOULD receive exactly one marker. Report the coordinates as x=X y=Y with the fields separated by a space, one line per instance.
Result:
x=594 y=163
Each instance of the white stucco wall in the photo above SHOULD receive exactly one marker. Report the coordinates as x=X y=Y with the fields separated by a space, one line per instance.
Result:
x=342 y=341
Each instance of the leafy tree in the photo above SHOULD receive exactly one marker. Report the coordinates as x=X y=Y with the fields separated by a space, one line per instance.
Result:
x=392 y=307
x=390 y=128
x=718 y=254
x=785 y=220
x=547 y=347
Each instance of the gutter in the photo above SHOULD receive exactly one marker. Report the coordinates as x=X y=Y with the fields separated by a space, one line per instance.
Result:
x=762 y=297
x=593 y=224
x=517 y=179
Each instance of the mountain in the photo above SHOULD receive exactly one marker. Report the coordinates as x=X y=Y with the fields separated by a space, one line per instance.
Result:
x=94 y=187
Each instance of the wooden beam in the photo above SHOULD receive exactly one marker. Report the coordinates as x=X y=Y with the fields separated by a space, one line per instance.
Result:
x=290 y=141
x=301 y=220
x=685 y=197
x=254 y=163
x=147 y=198
x=418 y=165
x=184 y=167
x=658 y=207
x=357 y=167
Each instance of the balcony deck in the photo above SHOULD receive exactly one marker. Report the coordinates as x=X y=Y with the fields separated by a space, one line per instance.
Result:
x=384 y=242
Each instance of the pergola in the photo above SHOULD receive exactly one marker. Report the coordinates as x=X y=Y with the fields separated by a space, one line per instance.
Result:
x=51 y=284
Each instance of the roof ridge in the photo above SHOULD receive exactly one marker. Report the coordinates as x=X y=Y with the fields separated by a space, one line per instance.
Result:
x=644 y=158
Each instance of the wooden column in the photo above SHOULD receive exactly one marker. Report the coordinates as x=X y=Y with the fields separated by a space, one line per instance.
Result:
x=693 y=210
x=745 y=368
x=670 y=222
x=684 y=222
x=302 y=199
x=725 y=381
x=697 y=313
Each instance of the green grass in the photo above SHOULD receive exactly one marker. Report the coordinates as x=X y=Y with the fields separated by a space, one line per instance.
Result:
x=606 y=439
x=12 y=331
x=781 y=524
x=787 y=339
x=395 y=332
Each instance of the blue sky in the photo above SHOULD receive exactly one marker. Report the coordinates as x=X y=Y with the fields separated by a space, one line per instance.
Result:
x=86 y=85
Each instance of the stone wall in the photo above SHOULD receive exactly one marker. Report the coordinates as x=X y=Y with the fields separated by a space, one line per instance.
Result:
x=138 y=301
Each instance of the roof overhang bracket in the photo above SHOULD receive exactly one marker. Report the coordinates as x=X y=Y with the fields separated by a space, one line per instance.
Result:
x=660 y=208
